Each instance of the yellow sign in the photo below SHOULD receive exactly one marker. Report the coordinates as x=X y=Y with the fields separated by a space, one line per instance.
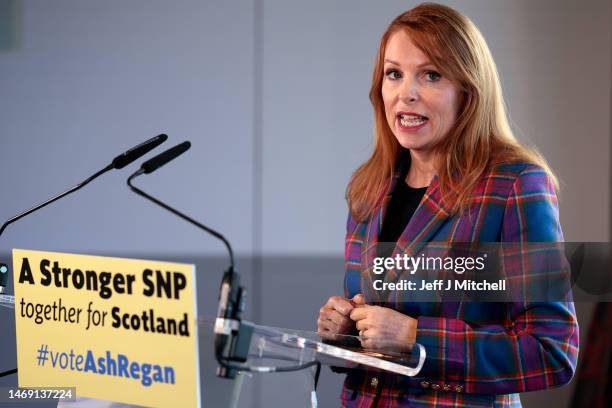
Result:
x=116 y=329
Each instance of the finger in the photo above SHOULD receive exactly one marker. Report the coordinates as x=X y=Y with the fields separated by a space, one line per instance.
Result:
x=324 y=312
x=327 y=335
x=326 y=325
x=340 y=304
x=359 y=313
x=337 y=318
x=329 y=313
x=344 y=327
x=362 y=325
x=369 y=339
x=347 y=325
x=365 y=333
x=371 y=333
x=367 y=343
x=358 y=300
x=325 y=308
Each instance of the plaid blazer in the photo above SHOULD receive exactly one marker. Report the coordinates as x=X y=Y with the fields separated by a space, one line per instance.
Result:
x=478 y=354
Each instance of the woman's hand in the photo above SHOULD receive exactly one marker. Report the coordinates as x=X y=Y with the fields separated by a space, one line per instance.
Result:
x=334 y=317
x=384 y=329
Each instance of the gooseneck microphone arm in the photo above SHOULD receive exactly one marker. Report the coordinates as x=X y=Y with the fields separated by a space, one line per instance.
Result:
x=180 y=214
x=155 y=163
x=183 y=216
x=53 y=199
x=118 y=162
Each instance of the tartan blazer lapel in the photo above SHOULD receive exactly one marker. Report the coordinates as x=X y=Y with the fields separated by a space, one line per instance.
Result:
x=426 y=221
x=429 y=216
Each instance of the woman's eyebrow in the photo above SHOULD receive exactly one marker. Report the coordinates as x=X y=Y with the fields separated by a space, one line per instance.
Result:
x=421 y=65
x=426 y=64
x=391 y=61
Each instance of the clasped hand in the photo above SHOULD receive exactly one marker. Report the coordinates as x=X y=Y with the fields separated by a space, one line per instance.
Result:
x=380 y=328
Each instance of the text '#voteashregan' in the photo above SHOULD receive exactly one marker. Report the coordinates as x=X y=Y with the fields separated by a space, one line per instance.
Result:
x=119 y=365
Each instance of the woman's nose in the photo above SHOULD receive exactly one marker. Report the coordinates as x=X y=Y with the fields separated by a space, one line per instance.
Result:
x=409 y=92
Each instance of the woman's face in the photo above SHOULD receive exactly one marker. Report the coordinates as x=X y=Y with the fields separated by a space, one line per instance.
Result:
x=420 y=105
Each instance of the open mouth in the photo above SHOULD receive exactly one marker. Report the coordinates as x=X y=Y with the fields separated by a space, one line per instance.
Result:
x=411 y=120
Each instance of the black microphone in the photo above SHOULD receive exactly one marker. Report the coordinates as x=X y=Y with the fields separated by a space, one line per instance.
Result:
x=231 y=295
x=137 y=152
x=161 y=159
x=118 y=162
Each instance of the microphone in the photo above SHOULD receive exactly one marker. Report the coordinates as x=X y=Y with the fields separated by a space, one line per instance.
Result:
x=118 y=162
x=231 y=295
x=137 y=152
x=161 y=159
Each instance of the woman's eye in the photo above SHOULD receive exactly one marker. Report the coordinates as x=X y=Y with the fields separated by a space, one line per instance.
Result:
x=392 y=74
x=432 y=76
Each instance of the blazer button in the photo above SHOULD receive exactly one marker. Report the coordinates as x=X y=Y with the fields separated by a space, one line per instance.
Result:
x=374 y=382
x=435 y=387
x=446 y=387
x=425 y=384
x=458 y=388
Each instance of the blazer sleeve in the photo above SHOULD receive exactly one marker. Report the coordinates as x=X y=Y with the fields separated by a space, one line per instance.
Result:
x=537 y=346
x=352 y=258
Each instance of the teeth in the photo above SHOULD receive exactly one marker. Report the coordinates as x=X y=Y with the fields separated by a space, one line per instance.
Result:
x=411 y=120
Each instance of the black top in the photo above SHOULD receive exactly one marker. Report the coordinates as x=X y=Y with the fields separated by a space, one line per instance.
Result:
x=404 y=202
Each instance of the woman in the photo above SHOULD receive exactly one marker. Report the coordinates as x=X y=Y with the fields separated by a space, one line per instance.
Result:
x=446 y=167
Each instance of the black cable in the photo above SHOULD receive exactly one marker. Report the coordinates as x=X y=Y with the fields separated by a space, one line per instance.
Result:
x=317 y=373
x=8 y=372
x=265 y=369
x=258 y=369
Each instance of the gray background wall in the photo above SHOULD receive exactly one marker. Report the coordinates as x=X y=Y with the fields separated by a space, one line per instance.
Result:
x=273 y=96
